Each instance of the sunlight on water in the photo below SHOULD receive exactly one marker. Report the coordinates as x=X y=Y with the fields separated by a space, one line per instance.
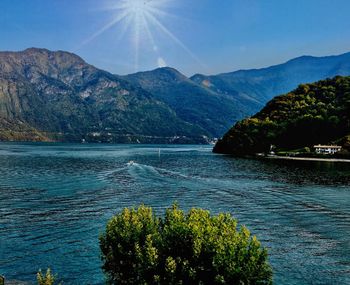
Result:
x=55 y=199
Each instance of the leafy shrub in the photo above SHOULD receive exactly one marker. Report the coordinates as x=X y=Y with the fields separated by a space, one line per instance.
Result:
x=47 y=279
x=181 y=248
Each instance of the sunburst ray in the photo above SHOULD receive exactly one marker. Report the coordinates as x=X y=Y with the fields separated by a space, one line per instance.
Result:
x=145 y=18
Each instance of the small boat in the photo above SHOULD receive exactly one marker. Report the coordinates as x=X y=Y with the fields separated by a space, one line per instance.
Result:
x=131 y=162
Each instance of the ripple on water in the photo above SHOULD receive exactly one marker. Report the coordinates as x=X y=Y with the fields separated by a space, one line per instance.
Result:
x=55 y=200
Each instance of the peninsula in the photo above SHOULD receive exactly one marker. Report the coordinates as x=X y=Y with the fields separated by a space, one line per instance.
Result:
x=297 y=124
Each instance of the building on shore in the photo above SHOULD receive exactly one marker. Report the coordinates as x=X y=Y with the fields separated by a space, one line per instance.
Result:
x=327 y=149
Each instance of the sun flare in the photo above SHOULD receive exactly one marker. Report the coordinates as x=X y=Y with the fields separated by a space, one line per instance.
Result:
x=143 y=18
x=136 y=7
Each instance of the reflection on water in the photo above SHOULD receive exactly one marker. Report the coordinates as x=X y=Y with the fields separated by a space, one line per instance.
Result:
x=56 y=198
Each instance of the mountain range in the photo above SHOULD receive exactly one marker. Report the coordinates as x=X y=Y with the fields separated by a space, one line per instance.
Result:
x=214 y=112
x=255 y=87
x=57 y=96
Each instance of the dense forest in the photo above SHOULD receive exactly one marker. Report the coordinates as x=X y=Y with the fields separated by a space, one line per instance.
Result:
x=316 y=113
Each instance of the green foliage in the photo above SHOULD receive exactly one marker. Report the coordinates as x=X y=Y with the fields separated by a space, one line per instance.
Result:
x=181 y=248
x=311 y=114
x=47 y=279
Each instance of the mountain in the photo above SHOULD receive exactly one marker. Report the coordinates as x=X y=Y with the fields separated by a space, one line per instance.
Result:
x=47 y=95
x=317 y=113
x=193 y=103
x=57 y=96
x=253 y=88
x=215 y=102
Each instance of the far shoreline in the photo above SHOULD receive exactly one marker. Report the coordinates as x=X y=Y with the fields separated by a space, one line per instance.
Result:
x=307 y=158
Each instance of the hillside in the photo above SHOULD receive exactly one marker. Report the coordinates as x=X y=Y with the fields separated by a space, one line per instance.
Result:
x=311 y=114
x=193 y=103
x=57 y=96
x=255 y=87
x=216 y=102
x=48 y=95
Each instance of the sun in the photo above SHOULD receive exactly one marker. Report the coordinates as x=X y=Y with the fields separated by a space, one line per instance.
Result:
x=143 y=18
x=136 y=7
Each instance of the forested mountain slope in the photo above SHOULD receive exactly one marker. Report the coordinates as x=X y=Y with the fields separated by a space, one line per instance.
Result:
x=311 y=114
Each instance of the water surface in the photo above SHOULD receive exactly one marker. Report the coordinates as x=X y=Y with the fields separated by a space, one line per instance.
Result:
x=55 y=199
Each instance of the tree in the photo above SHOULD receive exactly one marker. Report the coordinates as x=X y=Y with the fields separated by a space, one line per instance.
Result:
x=181 y=248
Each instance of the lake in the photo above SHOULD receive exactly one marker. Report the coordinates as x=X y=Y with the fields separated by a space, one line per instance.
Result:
x=55 y=200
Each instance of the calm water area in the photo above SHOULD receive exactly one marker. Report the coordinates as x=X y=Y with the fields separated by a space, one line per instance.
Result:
x=55 y=200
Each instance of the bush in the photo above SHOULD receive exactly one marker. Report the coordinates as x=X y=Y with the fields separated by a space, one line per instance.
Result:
x=192 y=248
x=47 y=279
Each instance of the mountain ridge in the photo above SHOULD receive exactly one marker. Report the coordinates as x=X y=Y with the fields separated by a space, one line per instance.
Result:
x=56 y=95
x=345 y=54
x=260 y=85
x=77 y=101
x=191 y=102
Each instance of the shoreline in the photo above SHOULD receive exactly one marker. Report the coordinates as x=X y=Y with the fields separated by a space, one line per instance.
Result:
x=308 y=158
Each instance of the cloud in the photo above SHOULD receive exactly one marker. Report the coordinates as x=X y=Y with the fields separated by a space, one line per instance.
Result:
x=161 y=62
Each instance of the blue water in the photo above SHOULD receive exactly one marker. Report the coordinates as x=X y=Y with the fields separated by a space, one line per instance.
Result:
x=55 y=199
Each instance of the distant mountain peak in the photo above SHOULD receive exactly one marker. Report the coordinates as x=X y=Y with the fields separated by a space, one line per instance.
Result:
x=42 y=56
x=33 y=63
x=37 y=50
x=306 y=58
x=58 y=96
x=167 y=69
x=162 y=74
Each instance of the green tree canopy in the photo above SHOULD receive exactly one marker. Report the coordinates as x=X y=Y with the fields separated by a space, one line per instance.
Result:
x=311 y=114
x=181 y=248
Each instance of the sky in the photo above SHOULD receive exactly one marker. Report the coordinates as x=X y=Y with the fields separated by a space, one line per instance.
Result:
x=193 y=36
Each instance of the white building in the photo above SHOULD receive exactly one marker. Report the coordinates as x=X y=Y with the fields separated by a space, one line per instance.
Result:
x=327 y=149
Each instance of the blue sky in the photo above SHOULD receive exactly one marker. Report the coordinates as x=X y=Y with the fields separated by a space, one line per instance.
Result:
x=194 y=36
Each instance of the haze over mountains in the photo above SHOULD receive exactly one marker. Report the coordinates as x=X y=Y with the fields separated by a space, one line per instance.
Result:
x=257 y=86
x=47 y=95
